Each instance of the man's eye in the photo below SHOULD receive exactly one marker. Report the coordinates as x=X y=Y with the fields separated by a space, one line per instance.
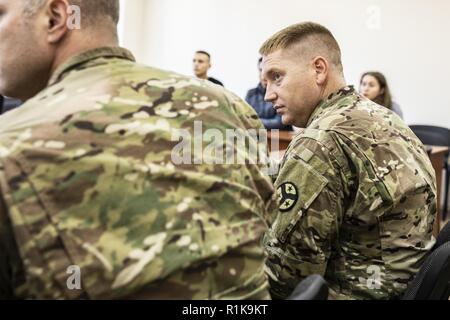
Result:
x=276 y=77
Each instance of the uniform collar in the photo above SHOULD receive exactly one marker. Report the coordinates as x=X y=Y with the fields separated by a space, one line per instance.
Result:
x=330 y=101
x=87 y=56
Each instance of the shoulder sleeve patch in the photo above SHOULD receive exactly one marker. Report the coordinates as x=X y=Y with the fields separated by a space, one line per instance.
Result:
x=298 y=185
x=287 y=195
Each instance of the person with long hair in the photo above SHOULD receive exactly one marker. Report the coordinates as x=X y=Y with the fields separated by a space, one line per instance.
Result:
x=374 y=86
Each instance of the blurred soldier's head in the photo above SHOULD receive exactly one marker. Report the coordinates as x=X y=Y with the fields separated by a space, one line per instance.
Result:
x=302 y=65
x=38 y=35
x=261 y=78
x=202 y=63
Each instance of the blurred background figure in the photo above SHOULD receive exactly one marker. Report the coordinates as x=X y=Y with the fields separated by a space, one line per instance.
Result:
x=374 y=86
x=7 y=104
x=265 y=110
x=202 y=64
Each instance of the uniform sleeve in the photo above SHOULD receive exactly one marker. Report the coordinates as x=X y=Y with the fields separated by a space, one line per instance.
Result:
x=244 y=111
x=310 y=207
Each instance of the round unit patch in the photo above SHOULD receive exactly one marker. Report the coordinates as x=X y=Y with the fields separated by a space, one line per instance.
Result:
x=287 y=196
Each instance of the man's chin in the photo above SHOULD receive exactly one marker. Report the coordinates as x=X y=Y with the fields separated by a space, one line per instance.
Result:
x=2 y=89
x=6 y=93
x=287 y=121
x=13 y=94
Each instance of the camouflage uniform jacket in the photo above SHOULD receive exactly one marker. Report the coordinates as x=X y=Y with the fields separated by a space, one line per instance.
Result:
x=87 y=183
x=357 y=202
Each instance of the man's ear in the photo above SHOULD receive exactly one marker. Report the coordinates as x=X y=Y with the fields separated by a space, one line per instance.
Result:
x=321 y=68
x=58 y=15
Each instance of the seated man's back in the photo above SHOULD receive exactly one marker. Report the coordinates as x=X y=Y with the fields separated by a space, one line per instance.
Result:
x=88 y=180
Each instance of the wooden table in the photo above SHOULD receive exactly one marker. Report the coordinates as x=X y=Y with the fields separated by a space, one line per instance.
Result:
x=284 y=139
x=437 y=157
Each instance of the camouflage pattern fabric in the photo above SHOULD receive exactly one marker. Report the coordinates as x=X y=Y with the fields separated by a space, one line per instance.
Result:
x=87 y=180
x=357 y=203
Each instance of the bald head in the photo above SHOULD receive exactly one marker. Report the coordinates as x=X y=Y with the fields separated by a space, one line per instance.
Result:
x=37 y=36
x=92 y=11
x=306 y=40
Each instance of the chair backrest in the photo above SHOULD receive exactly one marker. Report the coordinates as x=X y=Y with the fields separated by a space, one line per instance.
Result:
x=444 y=236
x=433 y=280
x=430 y=135
x=312 y=288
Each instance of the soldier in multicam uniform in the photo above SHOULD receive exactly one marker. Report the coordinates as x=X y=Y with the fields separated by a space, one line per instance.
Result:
x=87 y=179
x=356 y=189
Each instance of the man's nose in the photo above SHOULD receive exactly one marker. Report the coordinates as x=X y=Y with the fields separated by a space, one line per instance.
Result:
x=270 y=95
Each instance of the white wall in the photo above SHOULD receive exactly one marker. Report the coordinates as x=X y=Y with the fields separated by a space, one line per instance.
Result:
x=405 y=39
x=132 y=26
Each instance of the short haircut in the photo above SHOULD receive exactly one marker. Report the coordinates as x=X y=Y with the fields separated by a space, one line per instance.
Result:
x=91 y=10
x=205 y=53
x=295 y=34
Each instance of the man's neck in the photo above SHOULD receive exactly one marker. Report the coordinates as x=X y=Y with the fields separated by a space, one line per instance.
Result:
x=333 y=86
x=204 y=76
x=76 y=46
